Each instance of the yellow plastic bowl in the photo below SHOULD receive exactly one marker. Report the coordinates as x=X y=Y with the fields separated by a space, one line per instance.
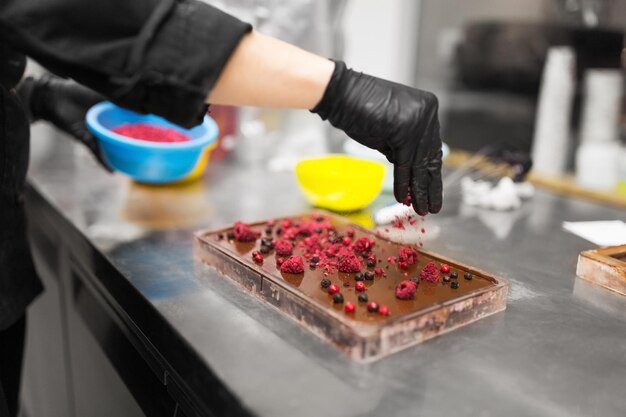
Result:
x=340 y=182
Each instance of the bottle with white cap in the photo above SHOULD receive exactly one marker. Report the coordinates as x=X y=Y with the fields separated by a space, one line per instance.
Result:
x=598 y=157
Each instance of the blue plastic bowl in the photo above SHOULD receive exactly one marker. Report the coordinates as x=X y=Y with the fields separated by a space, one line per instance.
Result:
x=146 y=161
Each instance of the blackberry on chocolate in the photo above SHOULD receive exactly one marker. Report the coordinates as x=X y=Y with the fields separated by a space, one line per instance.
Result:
x=325 y=283
x=446 y=278
x=365 y=254
x=220 y=236
x=362 y=298
x=264 y=250
x=359 y=276
x=416 y=280
x=279 y=231
x=372 y=306
x=267 y=241
x=371 y=263
x=454 y=285
x=454 y=275
x=315 y=259
x=369 y=275
x=338 y=298
x=230 y=235
x=468 y=276
x=268 y=230
x=312 y=265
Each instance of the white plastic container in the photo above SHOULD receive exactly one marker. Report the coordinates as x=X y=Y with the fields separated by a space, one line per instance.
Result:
x=597 y=165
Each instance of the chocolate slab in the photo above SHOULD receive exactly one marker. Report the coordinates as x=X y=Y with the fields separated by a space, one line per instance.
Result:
x=605 y=267
x=435 y=309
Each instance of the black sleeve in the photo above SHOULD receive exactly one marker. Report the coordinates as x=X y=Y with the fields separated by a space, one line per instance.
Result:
x=152 y=56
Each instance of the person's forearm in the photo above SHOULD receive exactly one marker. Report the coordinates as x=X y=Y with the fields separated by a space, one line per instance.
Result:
x=267 y=72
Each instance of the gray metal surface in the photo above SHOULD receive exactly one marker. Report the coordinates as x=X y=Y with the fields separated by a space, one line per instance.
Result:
x=558 y=350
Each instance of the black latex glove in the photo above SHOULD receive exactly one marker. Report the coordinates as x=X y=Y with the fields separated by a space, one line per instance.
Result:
x=63 y=103
x=399 y=121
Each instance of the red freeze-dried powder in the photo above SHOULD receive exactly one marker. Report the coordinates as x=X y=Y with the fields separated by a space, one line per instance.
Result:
x=243 y=232
x=363 y=244
x=283 y=248
x=407 y=256
x=349 y=263
x=293 y=265
x=430 y=272
x=151 y=133
x=405 y=290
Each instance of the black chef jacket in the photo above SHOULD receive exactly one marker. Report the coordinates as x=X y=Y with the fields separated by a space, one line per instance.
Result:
x=154 y=56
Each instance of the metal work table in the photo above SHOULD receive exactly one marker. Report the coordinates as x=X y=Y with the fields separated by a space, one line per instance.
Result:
x=558 y=350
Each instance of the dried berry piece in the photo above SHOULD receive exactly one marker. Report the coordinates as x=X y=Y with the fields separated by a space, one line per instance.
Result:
x=338 y=298
x=244 y=233
x=359 y=286
x=372 y=306
x=407 y=256
x=405 y=290
x=283 y=247
x=293 y=265
x=349 y=263
x=430 y=272
x=333 y=289
x=257 y=257
x=363 y=244
x=383 y=310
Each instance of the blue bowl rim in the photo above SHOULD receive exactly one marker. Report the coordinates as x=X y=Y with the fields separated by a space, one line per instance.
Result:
x=107 y=134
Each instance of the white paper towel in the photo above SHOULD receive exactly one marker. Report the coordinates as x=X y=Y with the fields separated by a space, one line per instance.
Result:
x=602 y=233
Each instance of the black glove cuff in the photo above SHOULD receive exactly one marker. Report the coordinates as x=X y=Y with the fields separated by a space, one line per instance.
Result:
x=333 y=91
x=33 y=93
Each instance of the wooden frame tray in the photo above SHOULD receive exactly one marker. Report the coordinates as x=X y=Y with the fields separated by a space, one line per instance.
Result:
x=605 y=267
x=370 y=337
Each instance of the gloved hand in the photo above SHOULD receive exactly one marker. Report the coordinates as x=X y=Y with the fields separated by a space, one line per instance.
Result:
x=399 y=121
x=63 y=103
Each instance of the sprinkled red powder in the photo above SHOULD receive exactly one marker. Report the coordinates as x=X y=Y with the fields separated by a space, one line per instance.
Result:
x=405 y=290
x=293 y=265
x=363 y=244
x=349 y=263
x=243 y=232
x=430 y=272
x=407 y=256
x=283 y=248
x=379 y=271
x=398 y=223
x=151 y=133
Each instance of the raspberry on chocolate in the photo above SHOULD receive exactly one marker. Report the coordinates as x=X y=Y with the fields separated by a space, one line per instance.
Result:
x=349 y=263
x=430 y=272
x=363 y=244
x=362 y=297
x=243 y=233
x=407 y=256
x=293 y=265
x=325 y=283
x=283 y=248
x=405 y=290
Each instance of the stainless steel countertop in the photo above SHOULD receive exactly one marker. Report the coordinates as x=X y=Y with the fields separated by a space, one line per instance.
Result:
x=558 y=350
